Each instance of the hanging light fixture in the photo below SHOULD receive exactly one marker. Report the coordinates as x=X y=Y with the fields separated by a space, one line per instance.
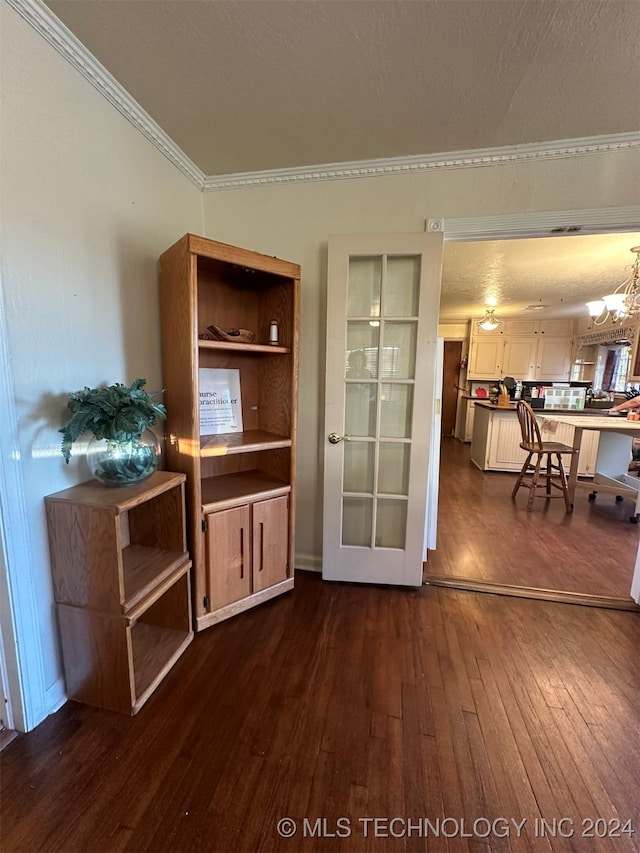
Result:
x=489 y=322
x=623 y=302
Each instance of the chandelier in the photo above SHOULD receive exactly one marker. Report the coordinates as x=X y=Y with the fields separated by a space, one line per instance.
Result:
x=623 y=302
x=490 y=322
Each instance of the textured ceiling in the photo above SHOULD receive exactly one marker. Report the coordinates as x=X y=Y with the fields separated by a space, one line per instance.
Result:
x=247 y=85
x=560 y=273
x=251 y=85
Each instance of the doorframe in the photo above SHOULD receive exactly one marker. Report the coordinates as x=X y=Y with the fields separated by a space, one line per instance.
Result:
x=562 y=223
x=21 y=658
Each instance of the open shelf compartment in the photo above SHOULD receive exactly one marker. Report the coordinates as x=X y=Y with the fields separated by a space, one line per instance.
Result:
x=159 y=636
x=232 y=489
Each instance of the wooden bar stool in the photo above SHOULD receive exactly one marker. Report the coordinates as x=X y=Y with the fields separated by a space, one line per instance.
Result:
x=552 y=473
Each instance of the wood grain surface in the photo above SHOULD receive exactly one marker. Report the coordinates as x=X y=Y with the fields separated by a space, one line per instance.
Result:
x=352 y=702
x=485 y=536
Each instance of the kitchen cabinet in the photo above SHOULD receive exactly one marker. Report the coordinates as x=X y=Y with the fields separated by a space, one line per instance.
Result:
x=553 y=360
x=485 y=358
x=520 y=328
x=464 y=425
x=121 y=579
x=232 y=477
x=495 y=444
x=520 y=357
x=527 y=350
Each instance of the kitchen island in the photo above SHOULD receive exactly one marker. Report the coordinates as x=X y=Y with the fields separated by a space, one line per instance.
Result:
x=495 y=444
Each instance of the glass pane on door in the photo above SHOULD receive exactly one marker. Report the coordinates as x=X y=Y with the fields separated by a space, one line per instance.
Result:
x=391 y=523
x=357 y=520
x=393 y=468
x=360 y=409
x=365 y=281
x=399 y=350
x=362 y=350
x=396 y=410
x=358 y=466
x=402 y=289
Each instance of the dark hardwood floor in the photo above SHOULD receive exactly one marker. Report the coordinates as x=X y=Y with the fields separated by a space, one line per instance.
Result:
x=349 y=703
x=484 y=535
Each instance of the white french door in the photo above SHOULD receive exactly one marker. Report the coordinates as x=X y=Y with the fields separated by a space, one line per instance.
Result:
x=383 y=301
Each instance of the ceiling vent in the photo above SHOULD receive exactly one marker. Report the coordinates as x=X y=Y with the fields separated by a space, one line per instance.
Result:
x=568 y=229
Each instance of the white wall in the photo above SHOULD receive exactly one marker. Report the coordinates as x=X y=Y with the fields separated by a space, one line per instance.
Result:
x=293 y=222
x=88 y=205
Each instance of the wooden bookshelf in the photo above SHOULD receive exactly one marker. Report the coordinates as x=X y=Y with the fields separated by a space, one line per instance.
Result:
x=121 y=574
x=232 y=477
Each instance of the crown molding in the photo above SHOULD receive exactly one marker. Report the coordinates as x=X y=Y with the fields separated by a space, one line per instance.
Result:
x=554 y=150
x=42 y=19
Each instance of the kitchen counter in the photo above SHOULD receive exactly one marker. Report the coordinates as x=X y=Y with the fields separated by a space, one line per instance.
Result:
x=494 y=407
x=495 y=443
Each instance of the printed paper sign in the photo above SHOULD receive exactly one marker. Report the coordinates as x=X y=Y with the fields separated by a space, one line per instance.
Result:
x=220 y=401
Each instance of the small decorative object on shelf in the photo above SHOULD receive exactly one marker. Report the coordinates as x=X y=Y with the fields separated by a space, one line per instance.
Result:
x=123 y=449
x=120 y=463
x=273 y=333
x=234 y=336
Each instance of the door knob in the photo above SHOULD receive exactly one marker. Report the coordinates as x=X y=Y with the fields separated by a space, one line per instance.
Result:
x=334 y=438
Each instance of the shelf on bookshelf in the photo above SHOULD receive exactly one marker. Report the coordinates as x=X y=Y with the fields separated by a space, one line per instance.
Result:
x=145 y=569
x=155 y=649
x=248 y=348
x=231 y=489
x=241 y=442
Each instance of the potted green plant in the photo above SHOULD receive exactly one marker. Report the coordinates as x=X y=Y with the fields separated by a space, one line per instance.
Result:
x=123 y=449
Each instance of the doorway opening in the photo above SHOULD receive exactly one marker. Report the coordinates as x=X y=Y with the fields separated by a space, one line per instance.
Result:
x=451 y=366
x=588 y=556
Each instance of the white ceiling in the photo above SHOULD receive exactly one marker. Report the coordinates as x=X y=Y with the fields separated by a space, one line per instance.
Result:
x=246 y=85
x=250 y=85
x=560 y=273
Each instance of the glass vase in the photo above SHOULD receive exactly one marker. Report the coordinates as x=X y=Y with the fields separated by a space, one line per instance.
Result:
x=121 y=463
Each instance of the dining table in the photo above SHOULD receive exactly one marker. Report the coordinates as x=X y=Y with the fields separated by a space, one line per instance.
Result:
x=614 y=455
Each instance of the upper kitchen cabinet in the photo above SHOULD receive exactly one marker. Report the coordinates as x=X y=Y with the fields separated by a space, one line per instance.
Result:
x=231 y=314
x=550 y=328
x=525 y=349
x=485 y=356
x=553 y=360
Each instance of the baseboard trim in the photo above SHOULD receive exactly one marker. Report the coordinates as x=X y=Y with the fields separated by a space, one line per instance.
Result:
x=56 y=696
x=308 y=563
x=536 y=593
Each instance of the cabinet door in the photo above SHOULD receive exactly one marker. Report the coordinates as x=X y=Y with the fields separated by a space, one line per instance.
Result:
x=588 y=448
x=505 y=453
x=520 y=328
x=468 y=424
x=556 y=328
x=520 y=357
x=270 y=542
x=485 y=358
x=228 y=556
x=554 y=359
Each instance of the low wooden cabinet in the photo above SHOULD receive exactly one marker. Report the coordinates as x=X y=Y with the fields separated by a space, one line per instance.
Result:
x=247 y=550
x=121 y=578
